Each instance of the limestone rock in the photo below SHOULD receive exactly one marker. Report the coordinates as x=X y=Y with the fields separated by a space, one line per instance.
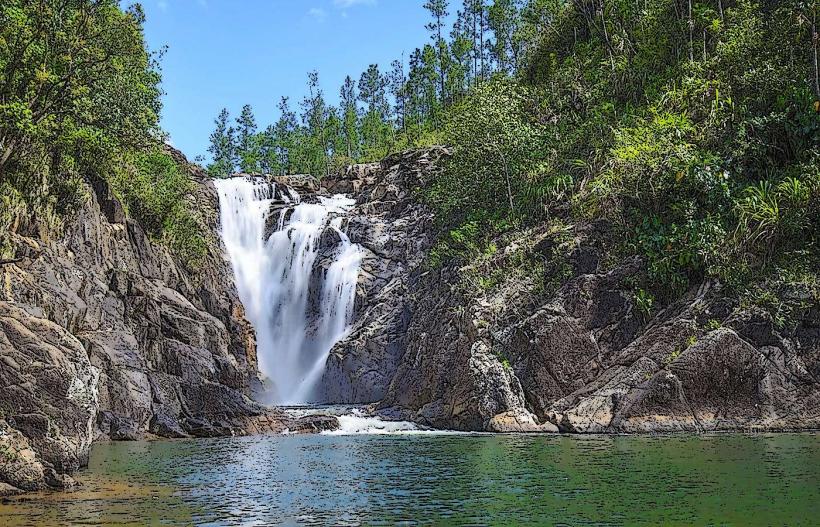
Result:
x=519 y=422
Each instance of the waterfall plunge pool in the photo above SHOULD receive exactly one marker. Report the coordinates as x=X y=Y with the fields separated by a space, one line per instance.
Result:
x=373 y=472
x=435 y=479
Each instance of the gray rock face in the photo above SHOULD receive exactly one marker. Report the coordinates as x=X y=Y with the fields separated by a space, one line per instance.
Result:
x=104 y=335
x=394 y=231
x=579 y=358
x=585 y=360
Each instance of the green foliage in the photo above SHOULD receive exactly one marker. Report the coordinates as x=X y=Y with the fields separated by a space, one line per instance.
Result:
x=79 y=103
x=154 y=189
x=645 y=302
x=694 y=133
x=222 y=147
x=774 y=216
x=247 y=147
x=713 y=324
x=692 y=129
x=69 y=70
x=8 y=454
x=494 y=145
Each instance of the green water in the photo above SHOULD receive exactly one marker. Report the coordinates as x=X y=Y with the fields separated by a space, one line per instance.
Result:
x=442 y=480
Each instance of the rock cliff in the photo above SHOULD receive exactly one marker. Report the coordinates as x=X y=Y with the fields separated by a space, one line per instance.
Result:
x=395 y=233
x=103 y=335
x=564 y=346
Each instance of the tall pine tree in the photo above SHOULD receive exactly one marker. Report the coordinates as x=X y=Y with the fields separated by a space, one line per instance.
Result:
x=375 y=130
x=314 y=117
x=350 y=118
x=285 y=133
x=247 y=146
x=222 y=147
x=438 y=12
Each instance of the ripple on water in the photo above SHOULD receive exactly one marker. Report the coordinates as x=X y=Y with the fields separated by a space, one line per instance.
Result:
x=433 y=479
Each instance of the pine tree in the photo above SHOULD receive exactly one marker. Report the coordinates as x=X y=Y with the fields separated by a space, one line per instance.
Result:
x=247 y=150
x=314 y=119
x=268 y=154
x=397 y=85
x=429 y=80
x=372 y=93
x=334 y=130
x=461 y=51
x=222 y=147
x=415 y=100
x=438 y=10
x=350 y=117
x=284 y=133
x=475 y=11
x=502 y=19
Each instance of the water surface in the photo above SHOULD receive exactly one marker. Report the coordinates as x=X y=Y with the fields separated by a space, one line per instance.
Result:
x=442 y=479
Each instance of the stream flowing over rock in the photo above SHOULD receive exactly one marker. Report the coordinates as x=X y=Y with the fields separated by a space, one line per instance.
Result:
x=298 y=280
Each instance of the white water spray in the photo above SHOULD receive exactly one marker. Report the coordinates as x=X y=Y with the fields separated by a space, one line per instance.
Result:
x=274 y=276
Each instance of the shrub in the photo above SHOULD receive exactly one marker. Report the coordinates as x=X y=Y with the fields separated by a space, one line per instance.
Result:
x=154 y=189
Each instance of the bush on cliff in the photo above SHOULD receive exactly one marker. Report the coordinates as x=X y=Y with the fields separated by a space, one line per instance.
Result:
x=79 y=100
x=153 y=189
x=695 y=132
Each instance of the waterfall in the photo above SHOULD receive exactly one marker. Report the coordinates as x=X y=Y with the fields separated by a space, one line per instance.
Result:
x=276 y=276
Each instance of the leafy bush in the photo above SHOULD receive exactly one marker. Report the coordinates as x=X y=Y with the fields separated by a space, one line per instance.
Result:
x=154 y=190
x=79 y=100
x=701 y=147
x=495 y=143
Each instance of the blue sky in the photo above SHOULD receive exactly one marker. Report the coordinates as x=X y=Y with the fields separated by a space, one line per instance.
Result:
x=226 y=53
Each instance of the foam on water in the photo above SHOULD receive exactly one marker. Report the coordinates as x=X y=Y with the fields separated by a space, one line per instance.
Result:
x=357 y=422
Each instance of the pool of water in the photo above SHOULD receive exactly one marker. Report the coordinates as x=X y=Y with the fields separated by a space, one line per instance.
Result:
x=435 y=479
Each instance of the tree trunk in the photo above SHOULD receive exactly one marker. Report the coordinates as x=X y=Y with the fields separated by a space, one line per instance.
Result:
x=814 y=38
x=6 y=155
x=691 y=34
x=475 y=49
x=506 y=173
x=481 y=28
x=704 y=45
x=606 y=36
x=440 y=62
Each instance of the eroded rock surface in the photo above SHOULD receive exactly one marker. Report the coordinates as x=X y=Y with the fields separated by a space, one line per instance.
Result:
x=103 y=335
x=565 y=345
x=395 y=233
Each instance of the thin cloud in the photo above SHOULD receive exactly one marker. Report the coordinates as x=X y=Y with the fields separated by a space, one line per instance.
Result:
x=317 y=13
x=345 y=4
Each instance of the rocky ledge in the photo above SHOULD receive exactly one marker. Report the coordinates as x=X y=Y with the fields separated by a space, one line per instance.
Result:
x=104 y=336
x=575 y=355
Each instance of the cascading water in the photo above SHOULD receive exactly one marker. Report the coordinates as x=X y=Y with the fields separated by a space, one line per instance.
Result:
x=274 y=277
